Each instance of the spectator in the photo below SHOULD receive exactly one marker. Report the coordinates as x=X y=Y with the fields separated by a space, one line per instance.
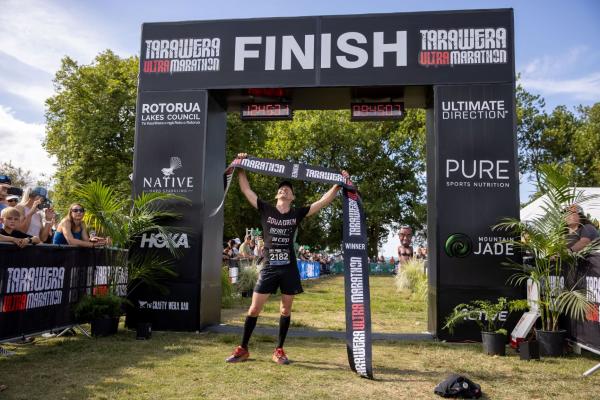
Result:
x=259 y=249
x=236 y=247
x=3 y=194
x=72 y=230
x=12 y=200
x=381 y=259
x=11 y=217
x=581 y=231
x=246 y=248
x=36 y=222
x=228 y=250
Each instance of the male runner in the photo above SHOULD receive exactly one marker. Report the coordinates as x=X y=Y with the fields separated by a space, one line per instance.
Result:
x=279 y=224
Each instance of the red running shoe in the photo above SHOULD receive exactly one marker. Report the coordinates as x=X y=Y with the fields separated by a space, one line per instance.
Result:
x=239 y=354
x=279 y=357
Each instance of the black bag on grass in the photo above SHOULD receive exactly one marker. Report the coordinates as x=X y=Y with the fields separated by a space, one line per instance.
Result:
x=458 y=386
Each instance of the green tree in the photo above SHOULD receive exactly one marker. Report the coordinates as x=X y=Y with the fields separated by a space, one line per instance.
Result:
x=586 y=147
x=531 y=120
x=385 y=159
x=90 y=123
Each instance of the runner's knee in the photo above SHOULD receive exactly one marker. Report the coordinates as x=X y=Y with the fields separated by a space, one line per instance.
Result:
x=285 y=311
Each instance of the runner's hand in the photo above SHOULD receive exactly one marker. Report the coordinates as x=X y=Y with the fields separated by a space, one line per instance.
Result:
x=242 y=155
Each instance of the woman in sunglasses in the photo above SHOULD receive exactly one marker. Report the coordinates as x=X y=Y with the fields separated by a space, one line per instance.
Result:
x=72 y=230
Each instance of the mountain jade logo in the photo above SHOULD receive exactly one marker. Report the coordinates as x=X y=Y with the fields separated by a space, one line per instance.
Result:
x=458 y=245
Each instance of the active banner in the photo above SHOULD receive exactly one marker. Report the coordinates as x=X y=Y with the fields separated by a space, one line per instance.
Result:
x=39 y=285
x=356 y=275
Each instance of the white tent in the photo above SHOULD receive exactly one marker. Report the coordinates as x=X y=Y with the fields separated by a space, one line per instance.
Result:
x=592 y=207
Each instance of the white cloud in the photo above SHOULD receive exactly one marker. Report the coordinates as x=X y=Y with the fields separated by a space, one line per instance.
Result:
x=552 y=75
x=586 y=88
x=39 y=34
x=21 y=144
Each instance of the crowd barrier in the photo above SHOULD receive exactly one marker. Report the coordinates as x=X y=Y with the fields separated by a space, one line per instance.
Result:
x=309 y=269
x=39 y=285
x=374 y=268
x=588 y=278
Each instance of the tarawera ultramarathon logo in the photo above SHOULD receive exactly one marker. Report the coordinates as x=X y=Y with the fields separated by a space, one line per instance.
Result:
x=30 y=288
x=463 y=46
x=181 y=55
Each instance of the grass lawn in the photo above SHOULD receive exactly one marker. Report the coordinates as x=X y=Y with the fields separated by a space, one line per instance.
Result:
x=321 y=306
x=190 y=366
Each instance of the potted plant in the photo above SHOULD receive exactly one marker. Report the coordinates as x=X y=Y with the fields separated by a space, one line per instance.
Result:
x=487 y=315
x=102 y=311
x=553 y=264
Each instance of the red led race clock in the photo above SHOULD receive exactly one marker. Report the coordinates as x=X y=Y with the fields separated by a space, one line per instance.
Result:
x=376 y=111
x=266 y=111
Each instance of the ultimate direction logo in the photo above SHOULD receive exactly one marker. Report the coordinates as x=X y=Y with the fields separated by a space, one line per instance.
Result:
x=29 y=288
x=463 y=46
x=460 y=245
x=169 y=182
x=182 y=55
x=477 y=173
x=469 y=110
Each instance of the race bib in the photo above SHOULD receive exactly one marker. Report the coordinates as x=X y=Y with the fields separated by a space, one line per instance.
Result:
x=279 y=256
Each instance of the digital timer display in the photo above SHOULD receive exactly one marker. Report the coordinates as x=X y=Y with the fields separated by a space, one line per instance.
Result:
x=376 y=111
x=266 y=111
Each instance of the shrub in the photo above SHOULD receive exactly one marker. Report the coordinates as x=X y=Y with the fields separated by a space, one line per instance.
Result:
x=226 y=289
x=412 y=278
x=247 y=279
x=96 y=307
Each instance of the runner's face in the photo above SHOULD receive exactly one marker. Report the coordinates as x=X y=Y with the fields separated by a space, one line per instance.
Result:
x=285 y=193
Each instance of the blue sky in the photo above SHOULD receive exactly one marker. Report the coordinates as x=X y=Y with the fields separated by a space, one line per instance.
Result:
x=557 y=49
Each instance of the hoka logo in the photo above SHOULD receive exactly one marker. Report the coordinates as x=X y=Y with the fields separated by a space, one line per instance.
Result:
x=159 y=241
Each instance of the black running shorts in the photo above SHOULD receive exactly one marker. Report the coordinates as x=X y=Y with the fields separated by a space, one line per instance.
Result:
x=284 y=277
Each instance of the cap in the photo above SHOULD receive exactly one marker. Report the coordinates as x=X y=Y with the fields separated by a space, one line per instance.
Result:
x=286 y=183
x=5 y=179
x=39 y=191
x=237 y=240
x=11 y=197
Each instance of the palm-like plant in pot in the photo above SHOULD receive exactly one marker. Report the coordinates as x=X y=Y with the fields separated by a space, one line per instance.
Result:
x=489 y=316
x=126 y=221
x=553 y=266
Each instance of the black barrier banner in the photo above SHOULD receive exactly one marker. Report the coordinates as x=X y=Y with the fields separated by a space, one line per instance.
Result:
x=588 y=278
x=39 y=285
x=356 y=271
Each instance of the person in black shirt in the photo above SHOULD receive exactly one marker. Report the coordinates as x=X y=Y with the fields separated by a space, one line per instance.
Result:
x=10 y=217
x=581 y=232
x=279 y=225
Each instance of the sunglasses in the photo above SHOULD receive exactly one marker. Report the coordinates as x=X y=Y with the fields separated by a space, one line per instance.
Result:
x=78 y=210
